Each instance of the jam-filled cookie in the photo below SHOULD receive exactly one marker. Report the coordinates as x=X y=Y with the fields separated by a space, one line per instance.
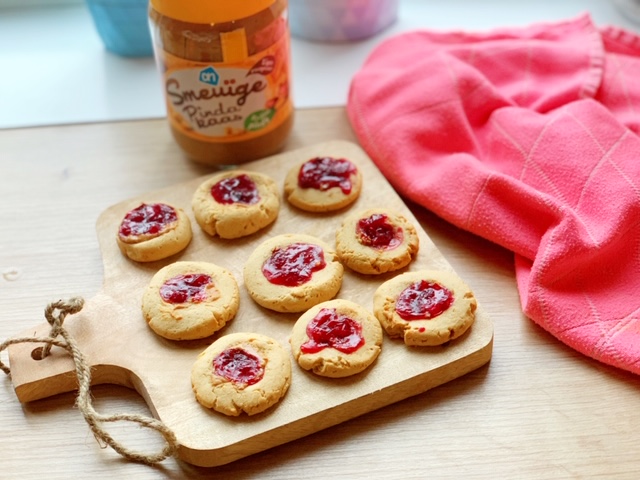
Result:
x=292 y=272
x=153 y=231
x=425 y=308
x=376 y=241
x=190 y=300
x=236 y=203
x=241 y=372
x=336 y=339
x=323 y=184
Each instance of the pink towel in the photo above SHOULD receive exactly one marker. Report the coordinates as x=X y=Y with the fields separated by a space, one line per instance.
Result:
x=527 y=137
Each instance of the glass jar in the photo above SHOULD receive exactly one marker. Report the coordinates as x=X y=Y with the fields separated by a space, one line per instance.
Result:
x=226 y=74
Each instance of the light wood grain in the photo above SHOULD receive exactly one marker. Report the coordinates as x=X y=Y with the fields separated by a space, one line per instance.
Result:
x=537 y=410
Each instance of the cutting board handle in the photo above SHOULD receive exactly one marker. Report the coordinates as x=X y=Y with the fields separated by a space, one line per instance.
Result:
x=35 y=377
x=58 y=365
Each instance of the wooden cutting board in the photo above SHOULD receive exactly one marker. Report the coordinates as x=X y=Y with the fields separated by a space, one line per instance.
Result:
x=122 y=350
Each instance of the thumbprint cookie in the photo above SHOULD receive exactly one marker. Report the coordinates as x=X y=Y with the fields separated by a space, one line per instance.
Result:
x=236 y=203
x=425 y=308
x=336 y=339
x=241 y=372
x=292 y=272
x=153 y=231
x=376 y=241
x=323 y=184
x=190 y=300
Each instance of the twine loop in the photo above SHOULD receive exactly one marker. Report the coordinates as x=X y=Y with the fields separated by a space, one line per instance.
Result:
x=55 y=313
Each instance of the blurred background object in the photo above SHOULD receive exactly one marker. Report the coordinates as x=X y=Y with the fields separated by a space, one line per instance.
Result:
x=630 y=8
x=340 y=20
x=123 y=26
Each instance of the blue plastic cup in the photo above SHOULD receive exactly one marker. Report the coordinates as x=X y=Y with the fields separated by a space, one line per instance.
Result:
x=123 y=26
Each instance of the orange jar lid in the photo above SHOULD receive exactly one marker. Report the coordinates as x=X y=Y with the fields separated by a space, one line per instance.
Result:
x=209 y=11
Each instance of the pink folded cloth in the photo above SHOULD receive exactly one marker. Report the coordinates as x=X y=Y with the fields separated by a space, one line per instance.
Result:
x=527 y=137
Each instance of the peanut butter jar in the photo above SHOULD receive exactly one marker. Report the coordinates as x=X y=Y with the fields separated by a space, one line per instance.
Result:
x=226 y=71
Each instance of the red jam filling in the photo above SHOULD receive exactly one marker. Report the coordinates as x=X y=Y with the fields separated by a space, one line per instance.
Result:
x=294 y=264
x=330 y=329
x=423 y=300
x=191 y=287
x=327 y=172
x=377 y=232
x=147 y=219
x=238 y=366
x=240 y=189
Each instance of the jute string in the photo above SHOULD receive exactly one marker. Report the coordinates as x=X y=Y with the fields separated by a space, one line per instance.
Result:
x=55 y=314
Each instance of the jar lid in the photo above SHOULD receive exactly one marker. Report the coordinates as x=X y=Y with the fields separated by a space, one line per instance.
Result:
x=209 y=11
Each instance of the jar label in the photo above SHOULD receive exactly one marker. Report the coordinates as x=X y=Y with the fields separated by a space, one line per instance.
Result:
x=221 y=102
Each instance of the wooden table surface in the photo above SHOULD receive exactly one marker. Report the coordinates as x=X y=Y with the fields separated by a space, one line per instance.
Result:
x=537 y=410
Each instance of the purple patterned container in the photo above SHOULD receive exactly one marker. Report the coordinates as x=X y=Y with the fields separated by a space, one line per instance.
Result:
x=340 y=20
